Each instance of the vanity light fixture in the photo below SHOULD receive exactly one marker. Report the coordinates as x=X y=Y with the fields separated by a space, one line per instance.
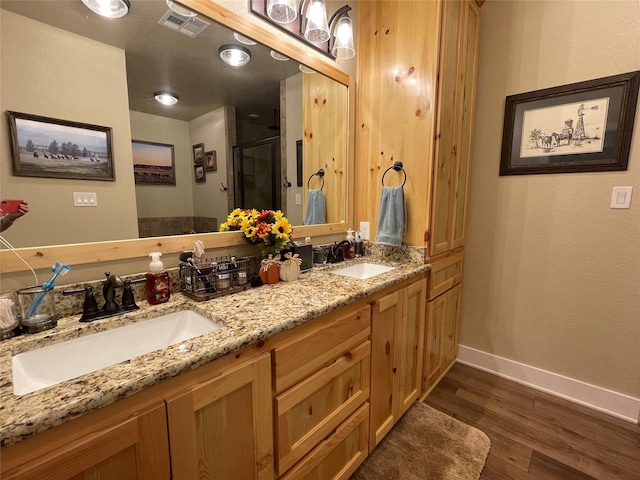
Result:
x=341 y=29
x=305 y=69
x=180 y=10
x=108 y=8
x=314 y=25
x=282 y=11
x=166 y=98
x=234 y=55
x=243 y=39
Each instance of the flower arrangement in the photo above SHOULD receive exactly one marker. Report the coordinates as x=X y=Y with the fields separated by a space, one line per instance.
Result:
x=268 y=229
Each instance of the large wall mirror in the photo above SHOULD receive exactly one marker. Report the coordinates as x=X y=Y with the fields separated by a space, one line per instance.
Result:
x=60 y=60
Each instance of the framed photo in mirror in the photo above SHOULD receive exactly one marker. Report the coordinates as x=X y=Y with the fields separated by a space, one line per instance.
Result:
x=199 y=172
x=153 y=163
x=210 y=161
x=198 y=153
x=54 y=148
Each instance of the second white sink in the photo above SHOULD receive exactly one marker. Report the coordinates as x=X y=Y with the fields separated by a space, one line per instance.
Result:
x=63 y=361
x=362 y=271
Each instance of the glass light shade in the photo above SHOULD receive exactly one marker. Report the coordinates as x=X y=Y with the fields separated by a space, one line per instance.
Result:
x=108 y=8
x=180 y=10
x=305 y=69
x=317 y=28
x=234 y=55
x=165 y=98
x=343 y=45
x=243 y=39
x=282 y=11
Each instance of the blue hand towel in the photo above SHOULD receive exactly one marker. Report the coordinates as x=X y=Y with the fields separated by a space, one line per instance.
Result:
x=392 y=222
x=315 y=208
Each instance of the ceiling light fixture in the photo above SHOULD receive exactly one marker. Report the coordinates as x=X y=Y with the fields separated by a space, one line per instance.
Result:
x=341 y=29
x=108 y=8
x=282 y=11
x=278 y=56
x=234 y=55
x=314 y=23
x=243 y=39
x=166 y=98
x=180 y=10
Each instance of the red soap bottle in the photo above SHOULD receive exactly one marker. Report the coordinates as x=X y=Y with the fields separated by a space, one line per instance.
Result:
x=158 y=284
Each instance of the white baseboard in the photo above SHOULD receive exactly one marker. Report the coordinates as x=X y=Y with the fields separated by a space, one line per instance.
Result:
x=607 y=401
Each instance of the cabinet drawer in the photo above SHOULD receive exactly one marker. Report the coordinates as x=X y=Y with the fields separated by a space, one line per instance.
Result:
x=337 y=457
x=317 y=347
x=444 y=274
x=315 y=407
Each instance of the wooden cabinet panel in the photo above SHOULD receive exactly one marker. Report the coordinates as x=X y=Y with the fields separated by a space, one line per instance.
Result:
x=445 y=273
x=134 y=448
x=337 y=457
x=397 y=340
x=411 y=345
x=312 y=409
x=319 y=346
x=450 y=330
x=222 y=428
x=385 y=329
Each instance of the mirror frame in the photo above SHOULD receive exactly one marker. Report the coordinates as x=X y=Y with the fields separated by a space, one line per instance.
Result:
x=95 y=252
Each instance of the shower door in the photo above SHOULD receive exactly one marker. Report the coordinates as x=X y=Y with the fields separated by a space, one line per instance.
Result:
x=256 y=173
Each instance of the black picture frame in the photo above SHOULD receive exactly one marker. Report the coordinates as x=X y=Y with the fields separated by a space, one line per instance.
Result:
x=211 y=161
x=199 y=172
x=54 y=148
x=153 y=163
x=581 y=127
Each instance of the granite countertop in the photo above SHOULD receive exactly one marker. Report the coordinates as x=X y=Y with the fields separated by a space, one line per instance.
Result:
x=249 y=316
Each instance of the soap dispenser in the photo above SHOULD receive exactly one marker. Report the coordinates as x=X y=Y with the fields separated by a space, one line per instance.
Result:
x=157 y=286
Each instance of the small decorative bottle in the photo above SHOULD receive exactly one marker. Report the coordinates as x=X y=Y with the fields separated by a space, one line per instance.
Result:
x=158 y=285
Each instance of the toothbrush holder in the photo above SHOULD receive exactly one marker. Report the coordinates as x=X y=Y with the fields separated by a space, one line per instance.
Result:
x=44 y=317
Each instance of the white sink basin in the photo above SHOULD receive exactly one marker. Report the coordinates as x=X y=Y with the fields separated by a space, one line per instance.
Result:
x=362 y=271
x=63 y=361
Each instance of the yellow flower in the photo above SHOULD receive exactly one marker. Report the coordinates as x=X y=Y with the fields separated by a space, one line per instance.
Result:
x=282 y=228
x=277 y=214
x=250 y=231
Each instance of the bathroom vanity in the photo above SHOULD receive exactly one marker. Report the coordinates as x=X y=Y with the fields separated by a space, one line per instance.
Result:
x=288 y=388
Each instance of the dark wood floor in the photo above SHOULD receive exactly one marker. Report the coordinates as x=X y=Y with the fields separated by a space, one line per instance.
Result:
x=535 y=435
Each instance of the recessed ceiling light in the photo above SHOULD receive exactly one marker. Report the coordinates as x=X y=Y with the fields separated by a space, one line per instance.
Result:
x=279 y=56
x=243 y=39
x=180 y=10
x=166 y=98
x=305 y=69
x=108 y=8
x=234 y=55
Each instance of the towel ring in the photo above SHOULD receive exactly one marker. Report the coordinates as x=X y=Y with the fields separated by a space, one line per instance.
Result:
x=397 y=166
x=319 y=173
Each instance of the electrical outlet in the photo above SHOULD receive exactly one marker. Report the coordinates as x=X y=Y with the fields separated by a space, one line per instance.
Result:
x=298 y=199
x=85 y=199
x=364 y=230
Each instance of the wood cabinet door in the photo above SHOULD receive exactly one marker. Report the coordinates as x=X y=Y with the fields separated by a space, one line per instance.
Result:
x=133 y=449
x=386 y=324
x=411 y=343
x=222 y=428
x=453 y=300
x=436 y=317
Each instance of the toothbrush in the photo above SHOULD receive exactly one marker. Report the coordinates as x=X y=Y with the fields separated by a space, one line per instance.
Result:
x=57 y=269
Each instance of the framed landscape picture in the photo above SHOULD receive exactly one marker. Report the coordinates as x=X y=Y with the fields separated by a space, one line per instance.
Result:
x=582 y=127
x=153 y=163
x=53 y=148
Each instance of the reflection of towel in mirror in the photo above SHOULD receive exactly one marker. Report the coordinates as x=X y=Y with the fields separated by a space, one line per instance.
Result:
x=392 y=222
x=315 y=208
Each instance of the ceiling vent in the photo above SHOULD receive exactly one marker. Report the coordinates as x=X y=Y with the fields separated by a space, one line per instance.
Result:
x=191 y=27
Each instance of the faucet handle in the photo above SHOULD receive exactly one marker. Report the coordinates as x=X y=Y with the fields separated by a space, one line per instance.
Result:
x=128 y=298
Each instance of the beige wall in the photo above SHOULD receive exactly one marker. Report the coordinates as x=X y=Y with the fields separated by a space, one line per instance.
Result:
x=165 y=200
x=293 y=102
x=49 y=72
x=551 y=272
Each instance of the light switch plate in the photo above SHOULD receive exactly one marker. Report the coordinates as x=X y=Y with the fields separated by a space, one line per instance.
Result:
x=621 y=197
x=85 y=199
x=365 y=230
